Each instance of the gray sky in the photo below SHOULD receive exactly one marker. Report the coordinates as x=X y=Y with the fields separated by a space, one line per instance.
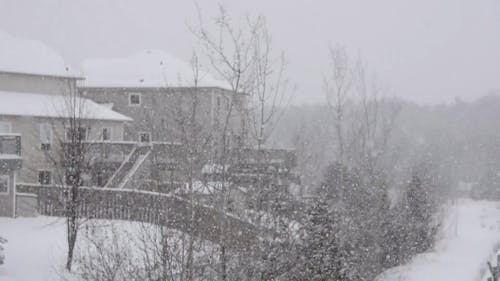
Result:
x=427 y=50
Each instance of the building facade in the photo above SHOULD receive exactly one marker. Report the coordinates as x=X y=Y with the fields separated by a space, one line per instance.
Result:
x=160 y=92
x=43 y=123
x=38 y=101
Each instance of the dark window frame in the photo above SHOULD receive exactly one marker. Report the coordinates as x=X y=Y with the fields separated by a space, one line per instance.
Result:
x=146 y=140
x=134 y=102
x=44 y=177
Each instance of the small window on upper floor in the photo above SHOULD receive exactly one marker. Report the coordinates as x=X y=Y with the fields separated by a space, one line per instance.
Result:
x=134 y=99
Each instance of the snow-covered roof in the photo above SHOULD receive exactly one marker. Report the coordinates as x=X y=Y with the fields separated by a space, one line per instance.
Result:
x=148 y=69
x=20 y=55
x=54 y=106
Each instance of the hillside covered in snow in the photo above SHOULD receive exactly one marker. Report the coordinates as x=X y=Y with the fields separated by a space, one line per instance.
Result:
x=469 y=237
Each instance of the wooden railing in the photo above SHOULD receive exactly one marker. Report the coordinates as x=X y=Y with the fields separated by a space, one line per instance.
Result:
x=141 y=206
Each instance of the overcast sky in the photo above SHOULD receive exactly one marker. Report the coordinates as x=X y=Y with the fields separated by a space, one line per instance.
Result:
x=426 y=50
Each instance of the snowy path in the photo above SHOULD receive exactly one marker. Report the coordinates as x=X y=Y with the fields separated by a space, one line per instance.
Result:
x=470 y=236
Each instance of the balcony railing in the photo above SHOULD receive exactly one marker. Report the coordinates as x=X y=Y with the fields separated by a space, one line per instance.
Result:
x=10 y=144
x=106 y=151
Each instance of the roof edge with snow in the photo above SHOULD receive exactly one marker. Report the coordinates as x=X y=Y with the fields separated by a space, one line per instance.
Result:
x=72 y=76
x=146 y=69
x=54 y=106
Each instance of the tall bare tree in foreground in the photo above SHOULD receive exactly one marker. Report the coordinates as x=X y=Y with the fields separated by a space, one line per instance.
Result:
x=242 y=55
x=70 y=161
x=231 y=51
x=269 y=95
x=194 y=137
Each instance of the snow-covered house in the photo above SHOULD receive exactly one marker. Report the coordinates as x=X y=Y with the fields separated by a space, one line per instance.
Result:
x=151 y=86
x=155 y=89
x=33 y=67
x=41 y=120
x=38 y=94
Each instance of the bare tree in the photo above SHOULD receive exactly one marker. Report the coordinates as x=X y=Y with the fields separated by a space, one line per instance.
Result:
x=105 y=256
x=269 y=96
x=230 y=51
x=194 y=136
x=241 y=54
x=363 y=117
x=338 y=87
x=363 y=121
x=70 y=161
x=373 y=122
x=270 y=92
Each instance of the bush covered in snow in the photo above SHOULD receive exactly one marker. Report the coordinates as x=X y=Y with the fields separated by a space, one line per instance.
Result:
x=2 y=255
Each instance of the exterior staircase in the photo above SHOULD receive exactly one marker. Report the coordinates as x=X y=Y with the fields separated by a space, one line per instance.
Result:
x=129 y=167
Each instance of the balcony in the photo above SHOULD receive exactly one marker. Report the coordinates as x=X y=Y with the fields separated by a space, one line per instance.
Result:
x=106 y=151
x=10 y=152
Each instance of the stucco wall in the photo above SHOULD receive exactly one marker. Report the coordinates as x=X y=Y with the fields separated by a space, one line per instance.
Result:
x=26 y=205
x=35 y=159
x=35 y=83
x=160 y=108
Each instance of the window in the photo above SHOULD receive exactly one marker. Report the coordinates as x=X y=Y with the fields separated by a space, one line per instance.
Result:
x=134 y=99
x=5 y=127
x=44 y=177
x=144 y=137
x=4 y=184
x=45 y=136
x=106 y=134
x=217 y=110
x=77 y=134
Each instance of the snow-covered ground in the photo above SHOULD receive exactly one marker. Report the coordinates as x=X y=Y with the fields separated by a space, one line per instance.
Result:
x=36 y=247
x=34 y=250
x=469 y=237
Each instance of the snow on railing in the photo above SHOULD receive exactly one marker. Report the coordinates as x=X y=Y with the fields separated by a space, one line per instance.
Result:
x=151 y=207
